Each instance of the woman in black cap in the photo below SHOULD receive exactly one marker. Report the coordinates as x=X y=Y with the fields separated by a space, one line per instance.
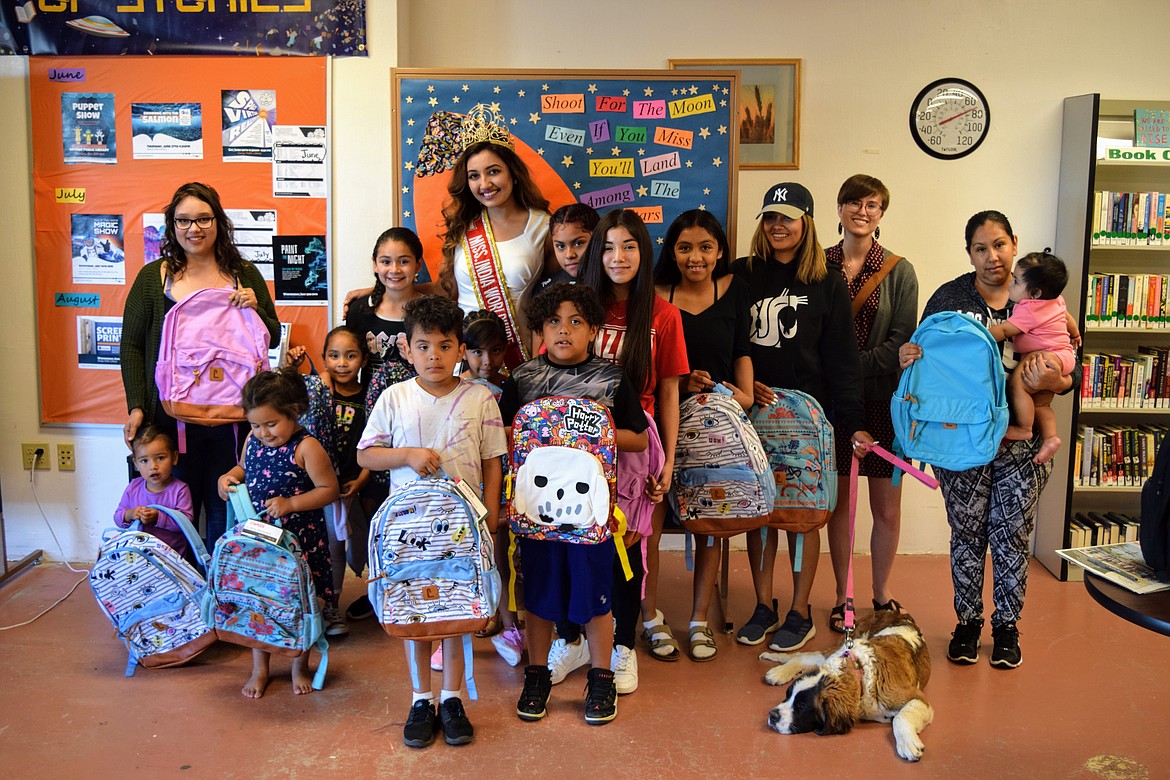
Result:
x=802 y=339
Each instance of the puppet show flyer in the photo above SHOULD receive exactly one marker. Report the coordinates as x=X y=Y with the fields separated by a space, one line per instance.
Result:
x=87 y=127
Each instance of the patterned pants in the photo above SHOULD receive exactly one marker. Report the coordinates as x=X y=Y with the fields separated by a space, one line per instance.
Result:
x=993 y=506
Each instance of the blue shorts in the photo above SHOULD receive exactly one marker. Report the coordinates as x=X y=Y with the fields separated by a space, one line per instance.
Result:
x=566 y=581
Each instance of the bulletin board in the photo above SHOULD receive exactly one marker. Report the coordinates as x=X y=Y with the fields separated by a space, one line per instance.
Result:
x=658 y=142
x=98 y=174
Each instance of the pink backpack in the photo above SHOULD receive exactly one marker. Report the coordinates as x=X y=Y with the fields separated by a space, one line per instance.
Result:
x=209 y=349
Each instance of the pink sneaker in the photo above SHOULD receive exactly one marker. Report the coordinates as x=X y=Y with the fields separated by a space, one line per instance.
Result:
x=509 y=643
x=437 y=658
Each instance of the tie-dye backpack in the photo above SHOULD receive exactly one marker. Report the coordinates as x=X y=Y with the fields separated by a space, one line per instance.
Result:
x=723 y=484
x=798 y=439
x=564 y=470
x=259 y=589
x=152 y=594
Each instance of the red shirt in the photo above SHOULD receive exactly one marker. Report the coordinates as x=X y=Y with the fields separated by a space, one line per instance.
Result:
x=667 y=349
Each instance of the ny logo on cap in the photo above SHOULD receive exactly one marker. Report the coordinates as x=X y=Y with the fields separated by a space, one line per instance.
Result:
x=781 y=196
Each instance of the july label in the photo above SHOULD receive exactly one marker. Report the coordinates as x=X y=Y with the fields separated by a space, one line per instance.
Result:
x=69 y=194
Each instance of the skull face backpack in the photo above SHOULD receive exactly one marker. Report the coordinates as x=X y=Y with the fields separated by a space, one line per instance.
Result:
x=798 y=439
x=723 y=484
x=152 y=594
x=259 y=588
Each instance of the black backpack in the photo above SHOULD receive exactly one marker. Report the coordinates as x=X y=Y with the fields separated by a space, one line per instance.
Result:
x=1155 y=522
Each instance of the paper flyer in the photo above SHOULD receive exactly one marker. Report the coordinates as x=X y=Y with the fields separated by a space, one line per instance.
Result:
x=167 y=131
x=87 y=127
x=98 y=342
x=253 y=230
x=298 y=162
x=154 y=227
x=248 y=118
x=301 y=270
x=98 y=254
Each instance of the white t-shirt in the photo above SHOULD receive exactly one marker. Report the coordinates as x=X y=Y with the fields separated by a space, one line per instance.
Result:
x=463 y=426
x=521 y=258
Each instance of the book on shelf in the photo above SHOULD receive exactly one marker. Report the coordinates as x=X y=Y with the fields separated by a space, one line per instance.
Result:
x=1116 y=455
x=1151 y=127
x=1120 y=563
x=1130 y=219
x=1133 y=301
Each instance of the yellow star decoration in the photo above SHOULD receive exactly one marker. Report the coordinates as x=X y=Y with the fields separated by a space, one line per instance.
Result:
x=660 y=240
x=690 y=164
x=642 y=191
x=513 y=120
x=540 y=151
x=410 y=142
x=410 y=123
x=430 y=88
x=455 y=99
x=433 y=101
x=674 y=91
x=725 y=90
x=694 y=90
x=495 y=90
x=544 y=87
x=405 y=190
x=409 y=99
x=714 y=87
x=576 y=185
x=566 y=161
x=716 y=162
x=706 y=190
x=648 y=92
x=722 y=129
x=626 y=92
x=495 y=107
x=641 y=152
x=409 y=166
x=723 y=104
x=520 y=93
x=704 y=132
x=534 y=118
x=406 y=214
x=592 y=88
x=616 y=151
x=465 y=87
x=589 y=150
x=702 y=207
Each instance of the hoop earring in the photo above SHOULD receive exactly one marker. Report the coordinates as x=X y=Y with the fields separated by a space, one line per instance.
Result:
x=840 y=228
x=877 y=233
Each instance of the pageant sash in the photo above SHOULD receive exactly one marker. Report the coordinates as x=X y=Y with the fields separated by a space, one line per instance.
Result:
x=491 y=291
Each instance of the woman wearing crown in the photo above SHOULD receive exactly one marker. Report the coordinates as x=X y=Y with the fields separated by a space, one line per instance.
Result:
x=496 y=245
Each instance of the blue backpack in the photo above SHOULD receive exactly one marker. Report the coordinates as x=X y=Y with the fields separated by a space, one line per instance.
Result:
x=260 y=591
x=151 y=594
x=950 y=409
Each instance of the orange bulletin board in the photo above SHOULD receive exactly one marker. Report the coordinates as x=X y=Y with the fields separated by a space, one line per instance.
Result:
x=69 y=304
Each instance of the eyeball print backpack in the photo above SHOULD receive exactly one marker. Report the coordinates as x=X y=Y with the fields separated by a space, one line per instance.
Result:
x=950 y=409
x=564 y=467
x=152 y=594
x=723 y=484
x=798 y=439
x=209 y=349
x=260 y=591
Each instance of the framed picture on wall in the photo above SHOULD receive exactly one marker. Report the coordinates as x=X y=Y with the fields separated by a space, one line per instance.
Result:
x=768 y=120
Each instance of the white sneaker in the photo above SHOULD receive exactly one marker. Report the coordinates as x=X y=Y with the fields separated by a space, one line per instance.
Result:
x=334 y=622
x=564 y=658
x=509 y=643
x=624 y=663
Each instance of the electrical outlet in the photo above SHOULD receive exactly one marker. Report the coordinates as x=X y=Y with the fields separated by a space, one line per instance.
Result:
x=28 y=455
x=65 y=459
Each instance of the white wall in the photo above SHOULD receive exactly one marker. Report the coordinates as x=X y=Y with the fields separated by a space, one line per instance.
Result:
x=863 y=64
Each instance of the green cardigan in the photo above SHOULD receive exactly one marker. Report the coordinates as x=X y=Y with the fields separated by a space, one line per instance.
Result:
x=142 y=321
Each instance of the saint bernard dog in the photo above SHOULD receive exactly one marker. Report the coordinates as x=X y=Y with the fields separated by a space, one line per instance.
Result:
x=880 y=678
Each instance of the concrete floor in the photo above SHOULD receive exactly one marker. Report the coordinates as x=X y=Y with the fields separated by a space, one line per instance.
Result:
x=1088 y=702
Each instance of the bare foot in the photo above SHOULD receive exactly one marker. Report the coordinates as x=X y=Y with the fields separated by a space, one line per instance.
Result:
x=254 y=688
x=1048 y=448
x=301 y=681
x=1016 y=433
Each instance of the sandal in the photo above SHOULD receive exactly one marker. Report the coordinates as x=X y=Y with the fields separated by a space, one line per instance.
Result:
x=701 y=636
x=837 y=619
x=493 y=628
x=661 y=637
x=889 y=606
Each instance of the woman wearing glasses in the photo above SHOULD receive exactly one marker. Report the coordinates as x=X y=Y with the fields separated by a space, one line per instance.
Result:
x=197 y=253
x=884 y=293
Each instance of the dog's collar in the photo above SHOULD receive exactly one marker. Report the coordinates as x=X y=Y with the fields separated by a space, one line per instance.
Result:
x=849 y=656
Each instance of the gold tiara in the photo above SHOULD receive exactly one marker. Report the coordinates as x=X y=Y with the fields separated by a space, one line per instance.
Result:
x=483 y=123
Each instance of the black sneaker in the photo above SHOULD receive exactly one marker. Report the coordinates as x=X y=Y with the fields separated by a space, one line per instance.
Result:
x=360 y=609
x=964 y=646
x=533 y=704
x=763 y=620
x=420 y=724
x=457 y=729
x=600 y=697
x=1006 y=653
x=797 y=630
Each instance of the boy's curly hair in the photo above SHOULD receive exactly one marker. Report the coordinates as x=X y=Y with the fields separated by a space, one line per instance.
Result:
x=544 y=306
x=433 y=314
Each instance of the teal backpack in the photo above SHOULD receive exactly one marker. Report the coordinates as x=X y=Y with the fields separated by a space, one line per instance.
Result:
x=259 y=589
x=950 y=409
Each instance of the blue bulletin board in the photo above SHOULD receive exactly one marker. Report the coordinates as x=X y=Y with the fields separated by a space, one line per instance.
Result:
x=658 y=142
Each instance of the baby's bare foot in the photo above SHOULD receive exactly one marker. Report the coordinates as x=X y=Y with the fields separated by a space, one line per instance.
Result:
x=254 y=688
x=301 y=681
x=1047 y=449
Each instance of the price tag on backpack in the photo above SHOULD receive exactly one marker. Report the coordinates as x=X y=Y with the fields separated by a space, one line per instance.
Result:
x=468 y=495
x=260 y=530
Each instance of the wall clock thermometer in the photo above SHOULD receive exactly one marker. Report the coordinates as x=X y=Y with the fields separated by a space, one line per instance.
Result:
x=949 y=119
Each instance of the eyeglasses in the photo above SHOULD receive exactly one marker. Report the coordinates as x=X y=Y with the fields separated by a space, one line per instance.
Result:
x=183 y=223
x=871 y=208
